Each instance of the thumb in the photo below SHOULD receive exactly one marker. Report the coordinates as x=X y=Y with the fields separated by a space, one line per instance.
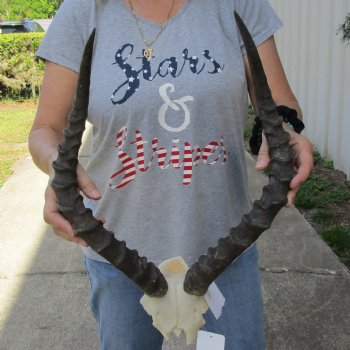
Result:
x=86 y=185
x=263 y=159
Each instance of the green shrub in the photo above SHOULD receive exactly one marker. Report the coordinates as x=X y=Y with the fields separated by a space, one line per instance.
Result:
x=322 y=216
x=338 y=237
x=344 y=30
x=20 y=71
x=17 y=9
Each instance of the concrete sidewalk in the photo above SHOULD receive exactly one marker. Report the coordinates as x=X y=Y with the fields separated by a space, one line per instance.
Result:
x=43 y=286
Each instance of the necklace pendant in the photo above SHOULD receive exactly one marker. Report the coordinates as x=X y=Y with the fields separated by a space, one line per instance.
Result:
x=148 y=53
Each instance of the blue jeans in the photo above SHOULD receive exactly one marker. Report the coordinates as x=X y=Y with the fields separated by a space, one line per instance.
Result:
x=124 y=325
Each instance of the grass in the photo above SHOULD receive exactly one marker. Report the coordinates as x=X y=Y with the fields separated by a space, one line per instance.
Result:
x=322 y=216
x=318 y=193
x=15 y=122
x=338 y=237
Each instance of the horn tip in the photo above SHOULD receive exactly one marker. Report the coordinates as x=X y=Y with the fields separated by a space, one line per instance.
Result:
x=237 y=16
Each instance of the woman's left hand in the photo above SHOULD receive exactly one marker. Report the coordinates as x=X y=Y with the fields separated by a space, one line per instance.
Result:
x=303 y=160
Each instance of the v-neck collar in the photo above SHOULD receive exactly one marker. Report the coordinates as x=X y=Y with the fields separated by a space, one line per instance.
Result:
x=149 y=21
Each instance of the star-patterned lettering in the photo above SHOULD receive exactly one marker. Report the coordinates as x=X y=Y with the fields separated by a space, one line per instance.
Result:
x=171 y=66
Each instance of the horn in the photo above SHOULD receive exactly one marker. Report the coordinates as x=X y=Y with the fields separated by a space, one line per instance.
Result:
x=70 y=203
x=274 y=197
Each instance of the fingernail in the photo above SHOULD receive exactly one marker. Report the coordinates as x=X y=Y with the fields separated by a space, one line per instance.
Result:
x=95 y=193
x=260 y=164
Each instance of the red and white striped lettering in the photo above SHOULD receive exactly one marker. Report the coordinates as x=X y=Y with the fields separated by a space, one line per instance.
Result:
x=208 y=150
x=128 y=169
x=188 y=164
x=140 y=152
x=190 y=158
x=175 y=157
x=161 y=154
x=223 y=150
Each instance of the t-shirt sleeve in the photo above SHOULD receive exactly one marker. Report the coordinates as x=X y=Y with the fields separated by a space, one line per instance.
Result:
x=65 y=39
x=260 y=19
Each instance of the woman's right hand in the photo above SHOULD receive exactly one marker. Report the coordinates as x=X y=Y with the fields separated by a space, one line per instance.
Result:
x=53 y=217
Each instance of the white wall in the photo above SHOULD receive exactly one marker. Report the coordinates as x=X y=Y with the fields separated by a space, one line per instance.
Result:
x=317 y=65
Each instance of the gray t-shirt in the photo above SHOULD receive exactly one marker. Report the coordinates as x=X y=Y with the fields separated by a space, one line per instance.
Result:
x=168 y=152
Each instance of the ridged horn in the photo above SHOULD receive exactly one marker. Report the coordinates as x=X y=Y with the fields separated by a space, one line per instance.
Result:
x=70 y=203
x=274 y=197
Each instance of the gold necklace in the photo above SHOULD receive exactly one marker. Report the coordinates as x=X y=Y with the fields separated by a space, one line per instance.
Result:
x=149 y=50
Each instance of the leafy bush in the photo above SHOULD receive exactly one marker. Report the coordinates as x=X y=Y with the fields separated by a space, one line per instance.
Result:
x=338 y=237
x=20 y=71
x=18 y=9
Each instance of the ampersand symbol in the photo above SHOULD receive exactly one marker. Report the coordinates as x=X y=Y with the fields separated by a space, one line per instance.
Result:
x=174 y=105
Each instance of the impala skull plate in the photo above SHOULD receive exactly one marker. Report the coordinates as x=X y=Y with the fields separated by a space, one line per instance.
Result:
x=177 y=311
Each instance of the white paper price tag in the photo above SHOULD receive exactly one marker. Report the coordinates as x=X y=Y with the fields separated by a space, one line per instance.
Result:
x=210 y=341
x=215 y=300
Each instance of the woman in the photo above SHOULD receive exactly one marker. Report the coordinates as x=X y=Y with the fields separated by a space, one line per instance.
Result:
x=169 y=78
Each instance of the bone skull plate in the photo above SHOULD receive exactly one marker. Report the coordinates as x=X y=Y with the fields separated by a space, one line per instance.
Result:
x=177 y=311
